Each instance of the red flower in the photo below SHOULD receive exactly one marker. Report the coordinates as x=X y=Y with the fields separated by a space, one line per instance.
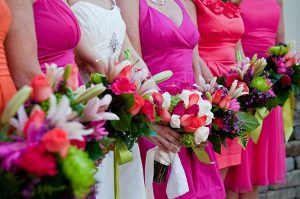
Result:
x=56 y=141
x=34 y=122
x=164 y=114
x=37 y=161
x=230 y=79
x=122 y=85
x=157 y=98
x=79 y=144
x=246 y=89
x=139 y=101
x=126 y=72
x=219 y=122
x=193 y=110
x=41 y=88
x=285 y=80
x=217 y=96
x=190 y=123
x=179 y=109
x=148 y=110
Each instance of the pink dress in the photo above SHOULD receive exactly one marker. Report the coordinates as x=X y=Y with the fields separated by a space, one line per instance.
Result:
x=168 y=47
x=221 y=27
x=263 y=163
x=57 y=32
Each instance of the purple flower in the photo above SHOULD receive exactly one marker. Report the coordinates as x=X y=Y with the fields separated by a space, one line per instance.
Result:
x=10 y=153
x=99 y=130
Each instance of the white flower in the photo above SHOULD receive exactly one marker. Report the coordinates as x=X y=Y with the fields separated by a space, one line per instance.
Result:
x=185 y=96
x=175 y=121
x=94 y=110
x=76 y=130
x=204 y=87
x=201 y=135
x=21 y=121
x=204 y=108
x=54 y=74
x=235 y=92
x=166 y=100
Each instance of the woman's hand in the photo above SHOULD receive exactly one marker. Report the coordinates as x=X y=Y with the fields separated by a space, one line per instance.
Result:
x=166 y=139
x=203 y=145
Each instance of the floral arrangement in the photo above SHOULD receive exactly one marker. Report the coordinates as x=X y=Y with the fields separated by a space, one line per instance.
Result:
x=228 y=122
x=188 y=114
x=43 y=131
x=284 y=71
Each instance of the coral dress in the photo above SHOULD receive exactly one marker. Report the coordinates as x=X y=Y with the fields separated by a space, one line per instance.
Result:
x=168 y=47
x=221 y=27
x=57 y=32
x=262 y=163
x=7 y=87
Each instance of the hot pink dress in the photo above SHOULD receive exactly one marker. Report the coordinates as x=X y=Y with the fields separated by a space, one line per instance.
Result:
x=168 y=47
x=57 y=32
x=221 y=27
x=263 y=163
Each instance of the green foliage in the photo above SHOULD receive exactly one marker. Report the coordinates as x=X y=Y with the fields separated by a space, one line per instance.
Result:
x=260 y=83
x=128 y=100
x=221 y=80
x=216 y=142
x=244 y=139
x=249 y=122
x=124 y=124
x=296 y=76
x=10 y=185
x=94 y=150
x=188 y=140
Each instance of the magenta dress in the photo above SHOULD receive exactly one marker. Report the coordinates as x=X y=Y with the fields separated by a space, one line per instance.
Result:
x=168 y=47
x=263 y=163
x=57 y=32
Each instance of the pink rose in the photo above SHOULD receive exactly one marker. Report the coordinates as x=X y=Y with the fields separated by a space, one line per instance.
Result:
x=165 y=116
x=41 y=88
x=139 y=101
x=56 y=141
x=190 y=123
x=122 y=85
x=73 y=81
x=36 y=160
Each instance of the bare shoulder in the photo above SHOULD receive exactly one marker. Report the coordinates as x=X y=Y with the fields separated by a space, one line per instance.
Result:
x=72 y=2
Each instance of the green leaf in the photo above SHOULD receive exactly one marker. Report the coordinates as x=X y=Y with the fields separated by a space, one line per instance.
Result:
x=243 y=139
x=10 y=185
x=128 y=100
x=202 y=155
x=106 y=141
x=124 y=124
x=94 y=150
x=221 y=80
x=216 y=143
x=249 y=121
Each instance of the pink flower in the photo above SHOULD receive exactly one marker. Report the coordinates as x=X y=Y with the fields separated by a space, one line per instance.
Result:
x=73 y=81
x=139 y=101
x=36 y=160
x=190 y=123
x=179 y=109
x=122 y=85
x=34 y=123
x=157 y=98
x=230 y=79
x=41 y=88
x=225 y=102
x=217 y=96
x=193 y=99
x=193 y=110
x=234 y=105
x=165 y=116
x=148 y=110
x=56 y=141
x=99 y=130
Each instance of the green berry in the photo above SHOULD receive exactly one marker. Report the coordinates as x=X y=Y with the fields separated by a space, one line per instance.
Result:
x=261 y=84
x=96 y=78
x=188 y=140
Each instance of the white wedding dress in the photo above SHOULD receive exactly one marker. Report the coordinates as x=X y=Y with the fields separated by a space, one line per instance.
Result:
x=106 y=31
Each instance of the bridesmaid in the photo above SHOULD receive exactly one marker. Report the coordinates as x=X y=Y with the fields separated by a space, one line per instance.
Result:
x=164 y=34
x=7 y=87
x=221 y=27
x=262 y=163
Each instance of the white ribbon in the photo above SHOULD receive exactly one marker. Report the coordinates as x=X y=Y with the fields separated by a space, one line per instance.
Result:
x=177 y=182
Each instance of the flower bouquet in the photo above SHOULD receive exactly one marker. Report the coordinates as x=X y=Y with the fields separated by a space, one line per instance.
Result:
x=228 y=122
x=188 y=114
x=255 y=81
x=40 y=129
x=284 y=71
x=129 y=89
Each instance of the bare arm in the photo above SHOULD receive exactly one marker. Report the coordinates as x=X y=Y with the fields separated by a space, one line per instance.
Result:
x=199 y=66
x=280 y=31
x=21 y=44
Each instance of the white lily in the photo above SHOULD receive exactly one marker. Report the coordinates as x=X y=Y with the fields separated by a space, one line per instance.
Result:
x=54 y=74
x=61 y=116
x=206 y=87
x=205 y=110
x=236 y=91
x=166 y=100
x=95 y=110
x=259 y=66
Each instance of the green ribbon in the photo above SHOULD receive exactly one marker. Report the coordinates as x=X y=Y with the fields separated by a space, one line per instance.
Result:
x=260 y=115
x=121 y=156
x=202 y=155
x=288 y=116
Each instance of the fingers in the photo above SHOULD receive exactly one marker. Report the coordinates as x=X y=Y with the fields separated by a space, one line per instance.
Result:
x=170 y=146
x=155 y=141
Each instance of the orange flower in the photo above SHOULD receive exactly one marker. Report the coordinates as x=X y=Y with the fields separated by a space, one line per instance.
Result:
x=190 y=123
x=56 y=141
x=41 y=88
x=225 y=102
x=139 y=101
x=216 y=97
